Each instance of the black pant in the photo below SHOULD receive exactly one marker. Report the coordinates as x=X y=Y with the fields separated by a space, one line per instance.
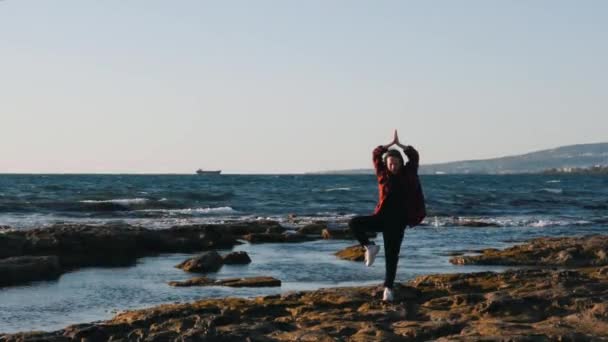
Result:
x=392 y=231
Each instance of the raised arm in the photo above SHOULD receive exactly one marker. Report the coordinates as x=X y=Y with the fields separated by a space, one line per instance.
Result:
x=377 y=158
x=412 y=156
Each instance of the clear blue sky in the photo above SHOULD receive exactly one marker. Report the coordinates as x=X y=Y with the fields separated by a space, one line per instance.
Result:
x=293 y=86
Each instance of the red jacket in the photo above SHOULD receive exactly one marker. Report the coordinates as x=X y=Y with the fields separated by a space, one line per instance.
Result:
x=413 y=207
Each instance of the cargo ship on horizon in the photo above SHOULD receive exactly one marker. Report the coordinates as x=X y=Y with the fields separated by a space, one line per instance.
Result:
x=208 y=172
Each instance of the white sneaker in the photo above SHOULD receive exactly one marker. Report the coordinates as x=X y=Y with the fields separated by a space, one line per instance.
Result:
x=388 y=295
x=370 y=254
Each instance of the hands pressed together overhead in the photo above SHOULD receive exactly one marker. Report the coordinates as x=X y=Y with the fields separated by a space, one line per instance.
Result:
x=396 y=142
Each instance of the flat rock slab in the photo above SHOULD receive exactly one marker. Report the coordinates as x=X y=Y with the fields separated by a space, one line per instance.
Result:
x=567 y=251
x=352 y=253
x=522 y=305
x=231 y=282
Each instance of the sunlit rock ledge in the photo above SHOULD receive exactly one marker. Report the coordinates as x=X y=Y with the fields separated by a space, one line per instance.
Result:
x=560 y=305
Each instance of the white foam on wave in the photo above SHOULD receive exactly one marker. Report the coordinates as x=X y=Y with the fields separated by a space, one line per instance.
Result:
x=332 y=189
x=553 y=190
x=554 y=181
x=208 y=210
x=553 y=223
x=333 y=220
x=337 y=189
x=123 y=201
x=513 y=221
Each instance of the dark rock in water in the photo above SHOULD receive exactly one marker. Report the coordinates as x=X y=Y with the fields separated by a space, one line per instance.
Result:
x=264 y=237
x=231 y=282
x=239 y=229
x=337 y=234
x=520 y=305
x=4 y=228
x=22 y=269
x=565 y=251
x=297 y=237
x=352 y=253
x=120 y=244
x=342 y=234
x=206 y=262
x=313 y=229
x=236 y=258
x=11 y=245
x=276 y=237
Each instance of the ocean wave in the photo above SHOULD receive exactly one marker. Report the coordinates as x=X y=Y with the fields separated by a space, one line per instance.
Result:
x=337 y=189
x=121 y=201
x=481 y=222
x=554 y=181
x=552 y=190
x=191 y=211
x=203 y=196
x=332 y=189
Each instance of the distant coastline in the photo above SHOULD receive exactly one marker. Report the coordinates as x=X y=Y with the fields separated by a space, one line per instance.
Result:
x=594 y=170
x=572 y=157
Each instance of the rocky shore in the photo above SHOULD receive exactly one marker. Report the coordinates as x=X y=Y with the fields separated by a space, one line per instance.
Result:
x=519 y=305
x=46 y=253
x=564 y=251
x=569 y=303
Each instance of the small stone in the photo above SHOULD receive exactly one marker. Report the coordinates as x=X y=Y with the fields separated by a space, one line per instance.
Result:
x=352 y=253
x=236 y=258
x=206 y=262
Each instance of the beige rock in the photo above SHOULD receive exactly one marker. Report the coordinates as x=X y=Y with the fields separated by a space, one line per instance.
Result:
x=352 y=253
x=566 y=251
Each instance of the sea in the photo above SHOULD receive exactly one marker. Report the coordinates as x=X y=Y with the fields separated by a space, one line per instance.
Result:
x=465 y=213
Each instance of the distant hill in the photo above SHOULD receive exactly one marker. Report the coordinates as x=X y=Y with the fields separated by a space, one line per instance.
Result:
x=594 y=170
x=571 y=156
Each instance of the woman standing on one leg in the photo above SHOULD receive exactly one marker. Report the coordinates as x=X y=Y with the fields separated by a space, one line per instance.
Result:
x=400 y=203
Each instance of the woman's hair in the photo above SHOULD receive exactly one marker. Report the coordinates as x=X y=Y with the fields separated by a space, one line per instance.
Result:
x=394 y=153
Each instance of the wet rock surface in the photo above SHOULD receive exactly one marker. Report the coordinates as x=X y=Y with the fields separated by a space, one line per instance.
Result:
x=231 y=282
x=236 y=258
x=77 y=246
x=203 y=263
x=566 y=251
x=548 y=305
x=22 y=269
x=342 y=234
x=277 y=237
x=313 y=228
